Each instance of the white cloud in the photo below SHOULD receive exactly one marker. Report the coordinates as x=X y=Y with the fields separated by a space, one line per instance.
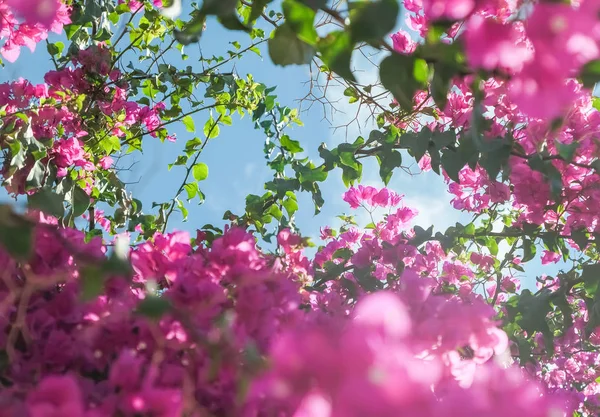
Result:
x=433 y=211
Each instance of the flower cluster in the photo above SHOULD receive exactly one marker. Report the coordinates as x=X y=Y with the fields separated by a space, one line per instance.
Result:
x=550 y=181
x=555 y=42
x=27 y=22
x=387 y=320
x=193 y=326
x=62 y=118
x=371 y=196
x=371 y=365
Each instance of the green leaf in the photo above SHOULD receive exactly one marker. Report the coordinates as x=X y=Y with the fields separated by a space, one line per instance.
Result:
x=315 y=4
x=80 y=202
x=92 y=282
x=550 y=240
x=493 y=162
x=47 y=201
x=300 y=19
x=336 y=52
x=440 y=83
x=343 y=253
x=317 y=198
x=453 y=164
x=191 y=189
x=454 y=160
x=149 y=90
x=189 y=124
x=232 y=22
x=529 y=250
x=352 y=93
x=596 y=166
x=397 y=76
x=285 y=48
x=590 y=73
x=350 y=175
x=53 y=48
x=290 y=203
x=567 y=151
x=551 y=174
x=372 y=20
x=70 y=30
x=580 y=237
x=282 y=185
x=308 y=174
x=524 y=350
x=35 y=178
x=211 y=129
x=492 y=245
x=16 y=234
x=290 y=145
x=469 y=229
x=347 y=158
x=388 y=161
x=443 y=139
x=447 y=242
x=218 y=7
x=417 y=143
x=183 y=210
x=533 y=311
x=421 y=235
x=257 y=9
x=275 y=212
x=153 y=307
x=590 y=275
x=192 y=31
x=200 y=171
x=18 y=154
x=565 y=308
x=366 y=279
x=421 y=71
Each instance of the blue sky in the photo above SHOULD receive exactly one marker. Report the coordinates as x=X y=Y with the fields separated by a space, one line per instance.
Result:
x=235 y=158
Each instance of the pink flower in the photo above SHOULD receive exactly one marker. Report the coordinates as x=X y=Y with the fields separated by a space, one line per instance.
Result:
x=382 y=198
x=414 y=6
x=385 y=313
x=448 y=9
x=418 y=23
x=68 y=152
x=370 y=196
x=288 y=241
x=550 y=257
x=352 y=197
x=134 y=5
x=314 y=405
x=10 y=51
x=43 y=12
x=157 y=402
x=105 y=162
x=403 y=43
x=564 y=39
x=491 y=45
x=486 y=262
x=56 y=396
x=326 y=233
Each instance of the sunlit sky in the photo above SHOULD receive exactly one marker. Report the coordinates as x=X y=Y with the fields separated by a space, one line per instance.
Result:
x=236 y=160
